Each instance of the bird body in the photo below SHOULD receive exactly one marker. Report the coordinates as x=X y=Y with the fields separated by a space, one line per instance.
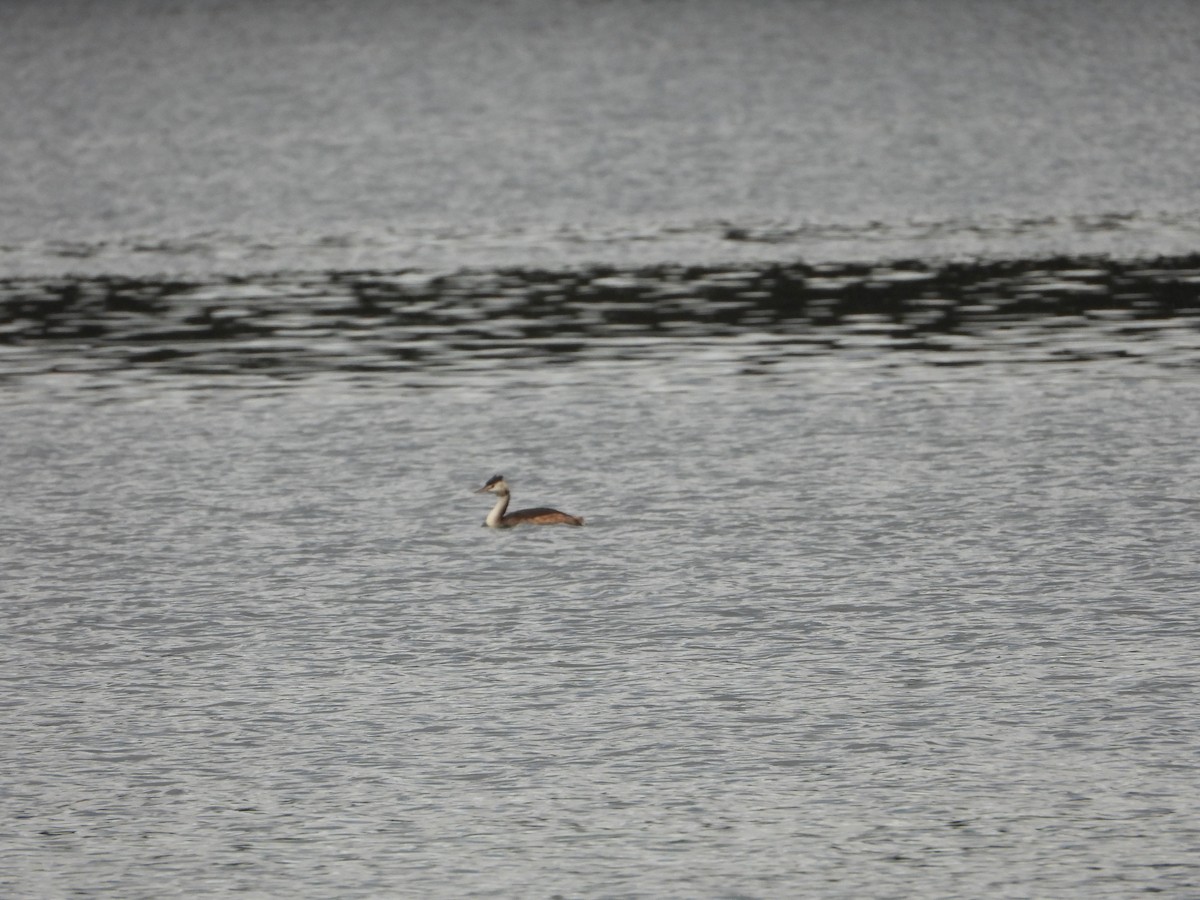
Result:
x=499 y=517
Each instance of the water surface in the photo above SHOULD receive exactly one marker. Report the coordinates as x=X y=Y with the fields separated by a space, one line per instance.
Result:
x=864 y=335
x=866 y=604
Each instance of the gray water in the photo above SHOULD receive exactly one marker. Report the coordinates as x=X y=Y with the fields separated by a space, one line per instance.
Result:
x=858 y=625
x=864 y=335
x=370 y=129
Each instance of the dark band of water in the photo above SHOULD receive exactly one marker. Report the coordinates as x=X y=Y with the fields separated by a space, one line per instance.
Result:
x=409 y=321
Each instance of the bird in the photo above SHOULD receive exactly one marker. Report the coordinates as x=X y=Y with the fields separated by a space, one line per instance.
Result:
x=541 y=515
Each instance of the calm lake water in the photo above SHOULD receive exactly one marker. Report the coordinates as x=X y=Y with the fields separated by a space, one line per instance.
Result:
x=887 y=586
x=866 y=337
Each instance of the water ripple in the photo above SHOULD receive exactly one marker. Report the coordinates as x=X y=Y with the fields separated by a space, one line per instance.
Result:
x=753 y=320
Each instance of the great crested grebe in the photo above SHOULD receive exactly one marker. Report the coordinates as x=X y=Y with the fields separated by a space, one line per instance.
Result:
x=541 y=515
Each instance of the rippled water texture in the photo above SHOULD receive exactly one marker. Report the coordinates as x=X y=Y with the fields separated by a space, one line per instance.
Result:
x=170 y=121
x=887 y=586
x=864 y=335
x=429 y=327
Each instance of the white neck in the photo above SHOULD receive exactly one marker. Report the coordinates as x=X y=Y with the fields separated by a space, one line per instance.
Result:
x=497 y=513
